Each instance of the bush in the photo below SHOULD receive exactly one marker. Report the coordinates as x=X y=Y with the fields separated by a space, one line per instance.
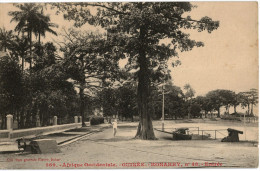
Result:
x=230 y=117
x=195 y=110
x=95 y=120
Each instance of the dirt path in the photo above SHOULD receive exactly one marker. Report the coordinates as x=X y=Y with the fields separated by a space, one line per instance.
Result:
x=102 y=150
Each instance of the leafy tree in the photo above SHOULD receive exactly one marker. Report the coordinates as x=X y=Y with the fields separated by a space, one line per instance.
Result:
x=45 y=55
x=127 y=100
x=20 y=48
x=50 y=92
x=236 y=101
x=249 y=97
x=228 y=97
x=30 y=19
x=253 y=98
x=155 y=102
x=174 y=101
x=11 y=87
x=109 y=101
x=218 y=98
x=195 y=110
x=215 y=100
x=205 y=103
x=136 y=29
x=88 y=64
x=17 y=46
x=189 y=94
x=5 y=37
x=44 y=25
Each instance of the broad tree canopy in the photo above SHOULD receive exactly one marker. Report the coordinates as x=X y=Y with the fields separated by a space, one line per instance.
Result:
x=137 y=29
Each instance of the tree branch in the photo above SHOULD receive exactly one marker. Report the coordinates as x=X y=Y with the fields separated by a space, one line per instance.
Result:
x=109 y=8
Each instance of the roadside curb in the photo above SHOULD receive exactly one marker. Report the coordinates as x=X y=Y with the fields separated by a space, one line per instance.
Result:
x=9 y=152
x=67 y=141
x=78 y=136
x=64 y=142
x=59 y=144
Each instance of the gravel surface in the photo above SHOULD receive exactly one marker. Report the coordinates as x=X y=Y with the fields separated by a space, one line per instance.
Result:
x=102 y=150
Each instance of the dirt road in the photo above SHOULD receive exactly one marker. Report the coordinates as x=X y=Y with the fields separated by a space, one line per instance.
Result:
x=102 y=150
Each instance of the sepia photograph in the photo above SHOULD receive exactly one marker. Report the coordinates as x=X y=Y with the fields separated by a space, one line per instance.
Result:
x=129 y=85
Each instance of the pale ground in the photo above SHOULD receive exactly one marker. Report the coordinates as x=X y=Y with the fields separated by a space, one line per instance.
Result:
x=103 y=148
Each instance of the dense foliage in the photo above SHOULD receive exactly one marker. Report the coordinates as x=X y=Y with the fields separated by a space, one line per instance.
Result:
x=81 y=74
x=95 y=120
x=136 y=30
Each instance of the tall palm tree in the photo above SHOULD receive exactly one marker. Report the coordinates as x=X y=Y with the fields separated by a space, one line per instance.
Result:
x=43 y=25
x=26 y=18
x=20 y=48
x=31 y=19
x=5 y=38
x=190 y=92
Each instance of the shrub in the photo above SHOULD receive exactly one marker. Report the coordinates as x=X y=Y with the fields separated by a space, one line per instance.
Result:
x=230 y=117
x=195 y=110
x=95 y=120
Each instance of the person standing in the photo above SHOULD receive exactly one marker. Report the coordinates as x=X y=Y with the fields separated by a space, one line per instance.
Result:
x=114 y=127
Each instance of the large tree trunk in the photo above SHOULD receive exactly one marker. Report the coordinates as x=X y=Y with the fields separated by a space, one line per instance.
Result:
x=21 y=121
x=145 y=128
x=227 y=110
x=28 y=119
x=219 y=112
x=248 y=110
x=252 y=109
x=82 y=105
x=39 y=39
x=30 y=49
x=22 y=64
x=3 y=124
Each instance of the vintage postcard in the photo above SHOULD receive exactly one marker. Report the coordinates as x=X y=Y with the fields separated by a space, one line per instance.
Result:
x=129 y=85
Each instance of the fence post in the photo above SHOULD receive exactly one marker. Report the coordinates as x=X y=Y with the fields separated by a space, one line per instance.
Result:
x=199 y=130
x=9 y=122
x=38 y=122
x=80 y=119
x=202 y=134
x=55 y=118
x=75 y=119
x=215 y=134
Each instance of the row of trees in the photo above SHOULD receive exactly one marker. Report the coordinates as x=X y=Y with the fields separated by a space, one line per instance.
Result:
x=54 y=85
x=89 y=63
x=216 y=99
x=178 y=103
x=40 y=90
x=136 y=30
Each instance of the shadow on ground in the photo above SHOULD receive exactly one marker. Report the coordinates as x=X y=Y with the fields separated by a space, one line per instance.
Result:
x=114 y=139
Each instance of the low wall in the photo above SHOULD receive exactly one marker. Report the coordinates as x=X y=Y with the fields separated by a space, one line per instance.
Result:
x=4 y=134
x=37 y=131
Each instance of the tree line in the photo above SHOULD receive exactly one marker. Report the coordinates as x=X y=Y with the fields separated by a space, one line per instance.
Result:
x=40 y=89
x=55 y=84
x=179 y=103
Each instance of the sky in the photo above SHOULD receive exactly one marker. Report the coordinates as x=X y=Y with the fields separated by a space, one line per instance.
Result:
x=229 y=59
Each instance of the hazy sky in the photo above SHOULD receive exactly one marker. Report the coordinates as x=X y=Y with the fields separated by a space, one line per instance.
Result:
x=229 y=59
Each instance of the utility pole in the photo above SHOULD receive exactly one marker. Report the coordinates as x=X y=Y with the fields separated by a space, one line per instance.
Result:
x=163 y=105
x=245 y=125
